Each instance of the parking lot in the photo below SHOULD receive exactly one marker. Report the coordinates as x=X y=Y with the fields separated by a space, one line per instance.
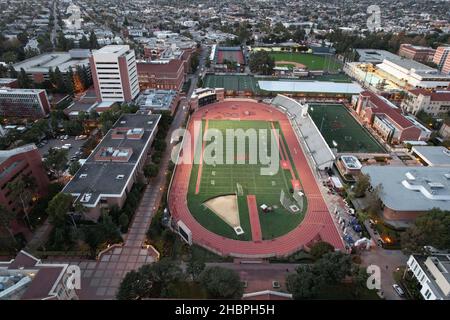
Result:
x=52 y=143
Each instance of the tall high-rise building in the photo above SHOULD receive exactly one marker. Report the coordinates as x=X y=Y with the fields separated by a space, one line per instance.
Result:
x=114 y=73
x=442 y=59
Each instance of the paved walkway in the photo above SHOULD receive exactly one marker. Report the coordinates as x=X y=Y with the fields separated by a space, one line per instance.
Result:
x=100 y=279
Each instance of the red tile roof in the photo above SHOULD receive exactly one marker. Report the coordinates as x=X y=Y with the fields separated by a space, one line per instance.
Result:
x=382 y=107
x=172 y=67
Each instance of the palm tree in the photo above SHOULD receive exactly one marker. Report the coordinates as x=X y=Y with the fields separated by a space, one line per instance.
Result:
x=21 y=192
x=6 y=217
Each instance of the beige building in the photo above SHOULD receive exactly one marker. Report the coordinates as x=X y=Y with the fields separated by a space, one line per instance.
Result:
x=433 y=273
x=432 y=102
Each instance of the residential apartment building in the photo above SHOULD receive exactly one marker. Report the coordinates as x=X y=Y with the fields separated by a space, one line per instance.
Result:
x=442 y=59
x=26 y=161
x=114 y=73
x=433 y=274
x=28 y=278
x=115 y=164
x=431 y=102
x=167 y=75
x=24 y=103
x=387 y=119
x=418 y=53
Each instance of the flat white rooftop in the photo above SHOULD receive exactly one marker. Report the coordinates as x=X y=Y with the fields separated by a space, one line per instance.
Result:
x=310 y=86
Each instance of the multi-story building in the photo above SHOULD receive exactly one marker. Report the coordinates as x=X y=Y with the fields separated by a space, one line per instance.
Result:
x=115 y=164
x=387 y=120
x=24 y=103
x=433 y=274
x=167 y=75
x=407 y=192
x=114 y=73
x=25 y=161
x=432 y=102
x=28 y=278
x=8 y=83
x=410 y=74
x=442 y=59
x=157 y=100
x=38 y=67
x=418 y=53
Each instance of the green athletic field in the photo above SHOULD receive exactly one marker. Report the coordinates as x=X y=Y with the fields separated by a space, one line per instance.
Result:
x=222 y=179
x=337 y=124
x=312 y=61
x=231 y=82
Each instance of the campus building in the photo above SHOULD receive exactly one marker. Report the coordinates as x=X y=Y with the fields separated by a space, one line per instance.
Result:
x=386 y=118
x=434 y=103
x=157 y=100
x=28 y=278
x=418 y=53
x=38 y=67
x=114 y=73
x=8 y=83
x=433 y=156
x=442 y=59
x=406 y=192
x=433 y=274
x=410 y=74
x=22 y=161
x=24 y=103
x=114 y=165
x=165 y=75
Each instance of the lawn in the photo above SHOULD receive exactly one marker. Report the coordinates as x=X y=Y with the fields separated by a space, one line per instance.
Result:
x=222 y=179
x=313 y=62
x=339 y=127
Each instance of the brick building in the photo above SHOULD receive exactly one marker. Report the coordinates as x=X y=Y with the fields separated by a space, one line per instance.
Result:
x=167 y=75
x=25 y=160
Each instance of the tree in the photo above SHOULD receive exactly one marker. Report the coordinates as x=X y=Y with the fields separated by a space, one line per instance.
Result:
x=134 y=286
x=93 y=43
x=6 y=217
x=333 y=267
x=21 y=191
x=123 y=221
x=222 y=283
x=58 y=208
x=151 y=170
x=9 y=57
x=195 y=268
x=319 y=249
x=303 y=284
x=373 y=200
x=84 y=43
x=361 y=185
x=261 y=62
x=74 y=167
x=429 y=229
x=56 y=160
x=23 y=80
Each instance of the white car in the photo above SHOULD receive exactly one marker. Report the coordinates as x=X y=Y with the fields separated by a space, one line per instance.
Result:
x=398 y=290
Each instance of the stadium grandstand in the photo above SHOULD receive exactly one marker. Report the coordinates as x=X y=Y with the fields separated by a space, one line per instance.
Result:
x=306 y=131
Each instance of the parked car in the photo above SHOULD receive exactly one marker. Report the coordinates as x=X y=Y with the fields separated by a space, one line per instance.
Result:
x=398 y=290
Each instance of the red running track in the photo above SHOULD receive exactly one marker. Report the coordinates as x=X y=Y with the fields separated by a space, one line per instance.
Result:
x=254 y=218
x=317 y=223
